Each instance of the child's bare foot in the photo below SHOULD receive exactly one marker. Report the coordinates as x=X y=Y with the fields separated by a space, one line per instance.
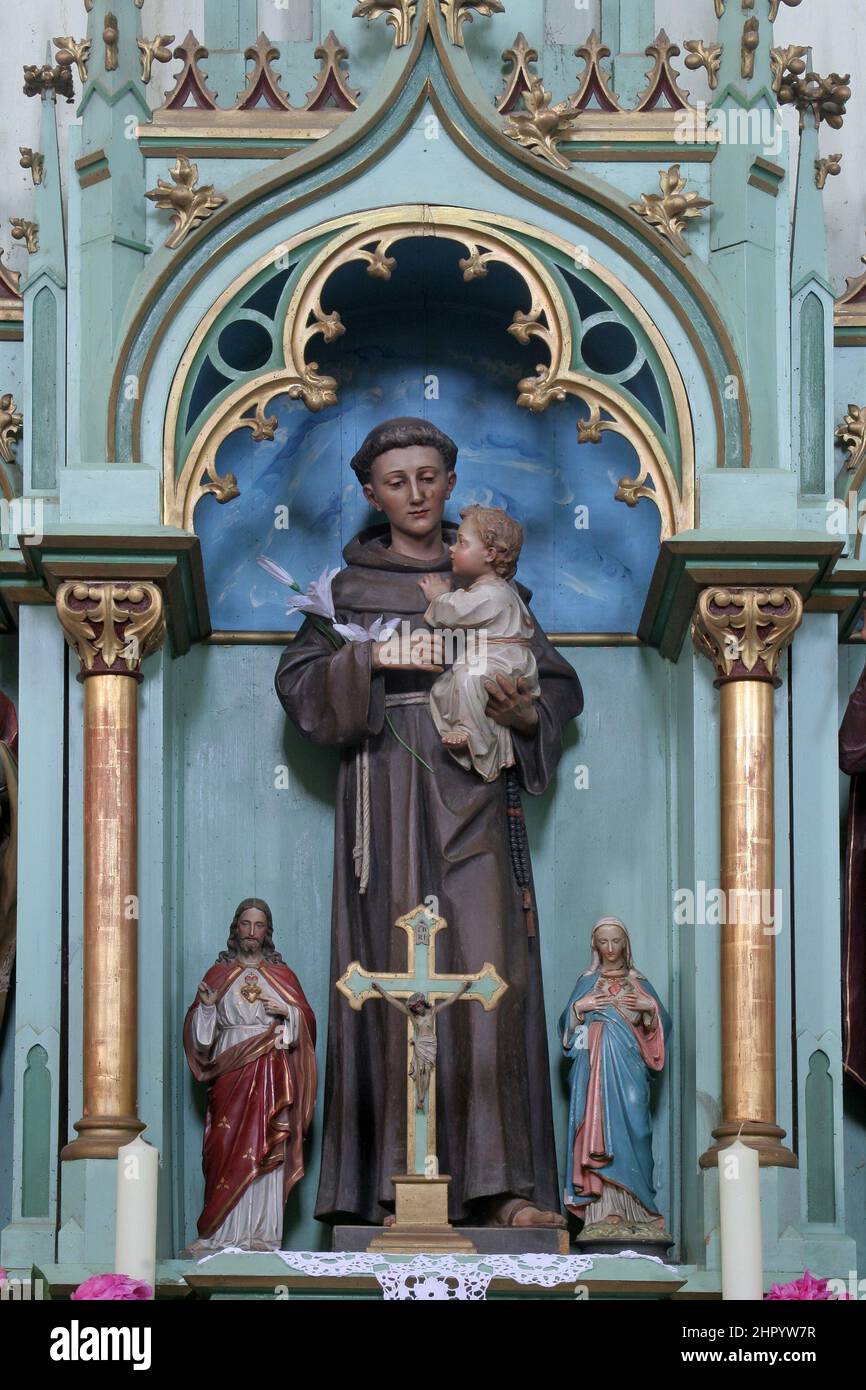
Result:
x=455 y=740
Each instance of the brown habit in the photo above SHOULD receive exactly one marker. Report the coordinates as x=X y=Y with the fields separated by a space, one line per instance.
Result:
x=445 y=835
x=852 y=759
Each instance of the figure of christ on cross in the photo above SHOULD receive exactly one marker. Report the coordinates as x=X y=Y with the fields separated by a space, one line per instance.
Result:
x=419 y=985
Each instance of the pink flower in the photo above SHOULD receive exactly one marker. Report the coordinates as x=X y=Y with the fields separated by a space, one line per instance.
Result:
x=113 y=1286
x=807 y=1288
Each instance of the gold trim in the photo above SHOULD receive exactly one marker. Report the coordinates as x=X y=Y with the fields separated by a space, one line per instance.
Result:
x=369 y=238
x=272 y=638
x=470 y=146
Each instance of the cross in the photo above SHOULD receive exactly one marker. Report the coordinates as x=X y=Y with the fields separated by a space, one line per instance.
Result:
x=356 y=984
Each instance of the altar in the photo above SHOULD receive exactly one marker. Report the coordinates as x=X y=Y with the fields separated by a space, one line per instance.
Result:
x=273 y=245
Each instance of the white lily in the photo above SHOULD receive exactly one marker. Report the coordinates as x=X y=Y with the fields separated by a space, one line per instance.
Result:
x=378 y=631
x=318 y=601
x=277 y=572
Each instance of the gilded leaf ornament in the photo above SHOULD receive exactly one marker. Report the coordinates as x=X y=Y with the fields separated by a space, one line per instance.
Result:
x=111 y=625
x=749 y=47
x=707 y=56
x=73 y=53
x=11 y=424
x=156 y=50
x=32 y=160
x=744 y=631
x=25 y=231
x=111 y=38
x=541 y=127
x=188 y=204
x=852 y=436
x=399 y=14
x=670 y=210
x=825 y=97
x=458 y=12
x=787 y=62
x=774 y=7
x=827 y=167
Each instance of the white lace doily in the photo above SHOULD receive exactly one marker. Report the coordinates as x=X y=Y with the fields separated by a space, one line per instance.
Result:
x=442 y=1277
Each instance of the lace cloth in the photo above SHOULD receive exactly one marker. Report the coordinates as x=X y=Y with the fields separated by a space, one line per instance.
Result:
x=463 y=1278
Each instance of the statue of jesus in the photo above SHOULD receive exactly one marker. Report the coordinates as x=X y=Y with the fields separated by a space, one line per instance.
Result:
x=412 y=823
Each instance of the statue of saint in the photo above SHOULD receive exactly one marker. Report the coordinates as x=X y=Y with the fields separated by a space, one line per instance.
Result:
x=251 y=1035
x=412 y=823
x=615 y=1029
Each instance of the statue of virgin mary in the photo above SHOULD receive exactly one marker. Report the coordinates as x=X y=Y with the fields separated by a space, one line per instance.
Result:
x=615 y=1030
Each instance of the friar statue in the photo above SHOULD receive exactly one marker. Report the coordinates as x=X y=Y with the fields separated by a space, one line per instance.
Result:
x=411 y=822
x=251 y=1035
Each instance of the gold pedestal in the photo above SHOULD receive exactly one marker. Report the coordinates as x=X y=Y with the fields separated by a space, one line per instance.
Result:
x=422 y=1226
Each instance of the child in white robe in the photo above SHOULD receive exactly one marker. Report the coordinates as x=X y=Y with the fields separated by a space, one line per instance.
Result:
x=491 y=612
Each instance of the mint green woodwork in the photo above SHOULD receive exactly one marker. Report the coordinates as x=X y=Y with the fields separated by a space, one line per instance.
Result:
x=44 y=422
x=36 y=1174
x=44 y=290
x=627 y=28
x=38 y=959
x=213 y=826
x=811 y=402
x=820 y=1129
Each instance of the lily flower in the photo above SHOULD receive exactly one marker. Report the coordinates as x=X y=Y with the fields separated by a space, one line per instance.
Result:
x=378 y=631
x=317 y=602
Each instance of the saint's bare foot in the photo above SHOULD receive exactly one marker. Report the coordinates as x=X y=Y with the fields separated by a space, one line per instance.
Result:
x=518 y=1211
x=455 y=740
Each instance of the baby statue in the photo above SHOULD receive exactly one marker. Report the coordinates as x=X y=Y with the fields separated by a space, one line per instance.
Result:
x=485 y=555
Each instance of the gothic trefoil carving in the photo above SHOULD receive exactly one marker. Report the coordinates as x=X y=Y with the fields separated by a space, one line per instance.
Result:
x=191 y=81
x=332 y=80
x=670 y=210
x=188 y=204
x=663 y=91
x=263 y=83
x=595 y=89
x=459 y=12
x=541 y=127
x=399 y=14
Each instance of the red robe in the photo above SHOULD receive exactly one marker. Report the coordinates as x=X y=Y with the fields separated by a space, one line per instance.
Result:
x=260 y=1098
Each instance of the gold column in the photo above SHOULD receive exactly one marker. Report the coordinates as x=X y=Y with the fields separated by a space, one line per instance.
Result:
x=112 y=625
x=743 y=632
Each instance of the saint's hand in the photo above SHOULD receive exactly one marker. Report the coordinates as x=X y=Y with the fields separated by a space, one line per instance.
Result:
x=423 y=652
x=206 y=995
x=434 y=585
x=510 y=705
x=275 y=1007
x=589 y=1002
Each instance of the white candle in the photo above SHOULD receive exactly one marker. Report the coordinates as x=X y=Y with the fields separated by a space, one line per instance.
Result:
x=740 y=1204
x=135 y=1232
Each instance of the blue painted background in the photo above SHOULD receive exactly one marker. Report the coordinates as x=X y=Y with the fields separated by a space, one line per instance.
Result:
x=399 y=335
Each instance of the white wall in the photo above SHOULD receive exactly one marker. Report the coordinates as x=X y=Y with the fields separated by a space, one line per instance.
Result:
x=836 y=29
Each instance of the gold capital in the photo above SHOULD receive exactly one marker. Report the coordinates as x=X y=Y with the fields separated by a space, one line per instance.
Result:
x=743 y=631
x=111 y=624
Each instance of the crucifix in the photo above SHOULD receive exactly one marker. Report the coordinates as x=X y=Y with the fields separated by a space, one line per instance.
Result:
x=422 y=1193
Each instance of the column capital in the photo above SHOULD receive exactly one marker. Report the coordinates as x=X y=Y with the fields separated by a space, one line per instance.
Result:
x=111 y=624
x=744 y=630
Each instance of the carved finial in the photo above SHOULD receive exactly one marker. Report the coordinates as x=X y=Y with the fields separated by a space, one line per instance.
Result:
x=852 y=436
x=828 y=167
x=73 y=51
x=25 y=231
x=11 y=425
x=595 y=90
x=670 y=210
x=156 y=50
x=521 y=55
x=459 y=12
x=263 y=83
x=825 y=97
x=40 y=79
x=332 y=82
x=191 y=81
x=663 y=91
x=541 y=127
x=32 y=160
x=707 y=56
x=399 y=14
x=188 y=205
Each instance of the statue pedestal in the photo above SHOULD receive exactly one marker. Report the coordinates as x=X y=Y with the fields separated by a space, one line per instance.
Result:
x=422 y=1225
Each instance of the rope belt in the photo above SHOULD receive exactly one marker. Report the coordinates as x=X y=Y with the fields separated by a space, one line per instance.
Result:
x=509 y=641
x=361 y=852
